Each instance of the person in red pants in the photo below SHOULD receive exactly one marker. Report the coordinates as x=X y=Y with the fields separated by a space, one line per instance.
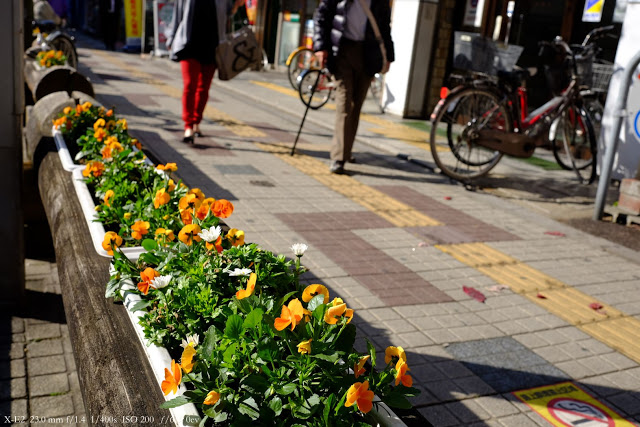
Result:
x=197 y=26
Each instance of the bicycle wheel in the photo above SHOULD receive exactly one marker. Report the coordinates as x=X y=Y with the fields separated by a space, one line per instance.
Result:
x=377 y=85
x=304 y=59
x=67 y=47
x=315 y=88
x=578 y=146
x=455 y=132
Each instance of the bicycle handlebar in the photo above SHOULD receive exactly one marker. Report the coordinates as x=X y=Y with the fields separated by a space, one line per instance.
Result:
x=597 y=33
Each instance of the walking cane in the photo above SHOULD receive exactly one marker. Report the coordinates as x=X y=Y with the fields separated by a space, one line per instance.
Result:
x=313 y=91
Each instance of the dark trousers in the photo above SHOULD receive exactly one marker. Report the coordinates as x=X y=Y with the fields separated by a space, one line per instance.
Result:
x=351 y=91
x=196 y=79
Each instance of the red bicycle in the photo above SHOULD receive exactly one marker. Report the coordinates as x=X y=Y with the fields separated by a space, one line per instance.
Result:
x=479 y=121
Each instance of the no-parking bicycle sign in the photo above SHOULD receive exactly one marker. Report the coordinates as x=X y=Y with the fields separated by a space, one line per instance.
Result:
x=567 y=405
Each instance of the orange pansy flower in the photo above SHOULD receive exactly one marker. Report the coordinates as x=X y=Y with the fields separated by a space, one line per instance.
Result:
x=217 y=245
x=163 y=233
x=169 y=167
x=222 y=208
x=358 y=368
x=100 y=134
x=313 y=290
x=162 y=198
x=391 y=352
x=147 y=277
x=172 y=378
x=360 y=394
x=108 y=196
x=111 y=242
x=100 y=123
x=401 y=374
x=236 y=237
x=212 y=397
x=337 y=310
x=189 y=234
x=94 y=168
x=190 y=201
x=251 y=286
x=305 y=347
x=291 y=315
x=186 y=361
x=139 y=229
x=197 y=192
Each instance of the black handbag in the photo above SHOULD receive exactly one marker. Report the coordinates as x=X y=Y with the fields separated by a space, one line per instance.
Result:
x=236 y=53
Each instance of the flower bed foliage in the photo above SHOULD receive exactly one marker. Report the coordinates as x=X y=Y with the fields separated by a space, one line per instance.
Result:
x=49 y=58
x=252 y=344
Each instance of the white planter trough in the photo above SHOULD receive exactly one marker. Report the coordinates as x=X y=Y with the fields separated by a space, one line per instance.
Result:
x=96 y=228
x=159 y=359
x=68 y=163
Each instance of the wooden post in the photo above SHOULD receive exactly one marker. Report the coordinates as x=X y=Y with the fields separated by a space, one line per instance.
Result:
x=11 y=113
x=44 y=81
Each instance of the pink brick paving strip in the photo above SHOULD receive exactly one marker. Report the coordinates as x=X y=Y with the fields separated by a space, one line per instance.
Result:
x=385 y=277
x=458 y=227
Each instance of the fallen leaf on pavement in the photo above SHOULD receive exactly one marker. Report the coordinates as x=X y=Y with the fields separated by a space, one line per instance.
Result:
x=541 y=296
x=474 y=293
x=447 y=197
x=598 y=308
x=555 y=233
x=422 y=244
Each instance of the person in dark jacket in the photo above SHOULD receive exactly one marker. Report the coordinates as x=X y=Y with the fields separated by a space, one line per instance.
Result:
x=344 y=42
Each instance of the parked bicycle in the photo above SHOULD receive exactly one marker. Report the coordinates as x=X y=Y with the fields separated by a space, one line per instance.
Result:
x=482 y=119
x=53 y=37
x=303 y=59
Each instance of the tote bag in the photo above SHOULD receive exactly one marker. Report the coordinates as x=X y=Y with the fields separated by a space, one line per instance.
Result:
x=236 y=53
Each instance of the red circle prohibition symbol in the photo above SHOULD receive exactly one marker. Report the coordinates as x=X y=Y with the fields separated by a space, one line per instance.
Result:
x=573 y=412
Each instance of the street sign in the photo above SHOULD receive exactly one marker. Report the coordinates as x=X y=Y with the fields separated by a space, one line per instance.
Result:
x=592 y=10
x=566 y=404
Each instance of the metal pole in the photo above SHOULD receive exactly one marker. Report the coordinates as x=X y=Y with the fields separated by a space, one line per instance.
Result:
x=304 y=117
x=610 y=149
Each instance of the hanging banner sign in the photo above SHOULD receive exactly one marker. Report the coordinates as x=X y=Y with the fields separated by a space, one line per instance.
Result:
x=133 y=22
x=473 y=13
x=252 y=10
x=592 y=10
x=162 y=13
x=566 y=404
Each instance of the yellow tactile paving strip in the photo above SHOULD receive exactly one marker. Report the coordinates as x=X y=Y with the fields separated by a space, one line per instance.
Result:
x=606 y=324
x=397 y=213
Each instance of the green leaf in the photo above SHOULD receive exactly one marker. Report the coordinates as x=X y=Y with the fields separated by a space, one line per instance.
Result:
x=318 y=313
x=149 y=245
x=347 y=339
x=233 y=328
x=222 y=416
x=211 y=339
x=396 y=400
x=328 y=357
x=372 y=352
x=229 y=352
x=140 y=305
x=149 y=258
x=256 y=383
x=287 y=389
x=315 y=302
x=406 y=391
x=249 y=407
x=276 y=405
x=175 y=402
x=328 y=403
x=253 y=318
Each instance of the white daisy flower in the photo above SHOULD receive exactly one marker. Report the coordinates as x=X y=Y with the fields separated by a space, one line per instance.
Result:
x=210 y=235
x=160 y=282
x=240 y=272
x=191 y=339
x=299 y=249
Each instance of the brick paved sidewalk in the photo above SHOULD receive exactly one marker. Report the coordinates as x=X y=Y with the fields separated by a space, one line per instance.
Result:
x=38 y=380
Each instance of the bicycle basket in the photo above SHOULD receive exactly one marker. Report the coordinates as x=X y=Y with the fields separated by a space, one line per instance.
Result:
x=475 y=53
x=601 y=76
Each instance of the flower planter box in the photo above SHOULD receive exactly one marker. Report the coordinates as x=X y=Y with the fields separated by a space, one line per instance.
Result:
x=159 y=359
x=63 y=152
x=96 y=229
x=68 y=163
